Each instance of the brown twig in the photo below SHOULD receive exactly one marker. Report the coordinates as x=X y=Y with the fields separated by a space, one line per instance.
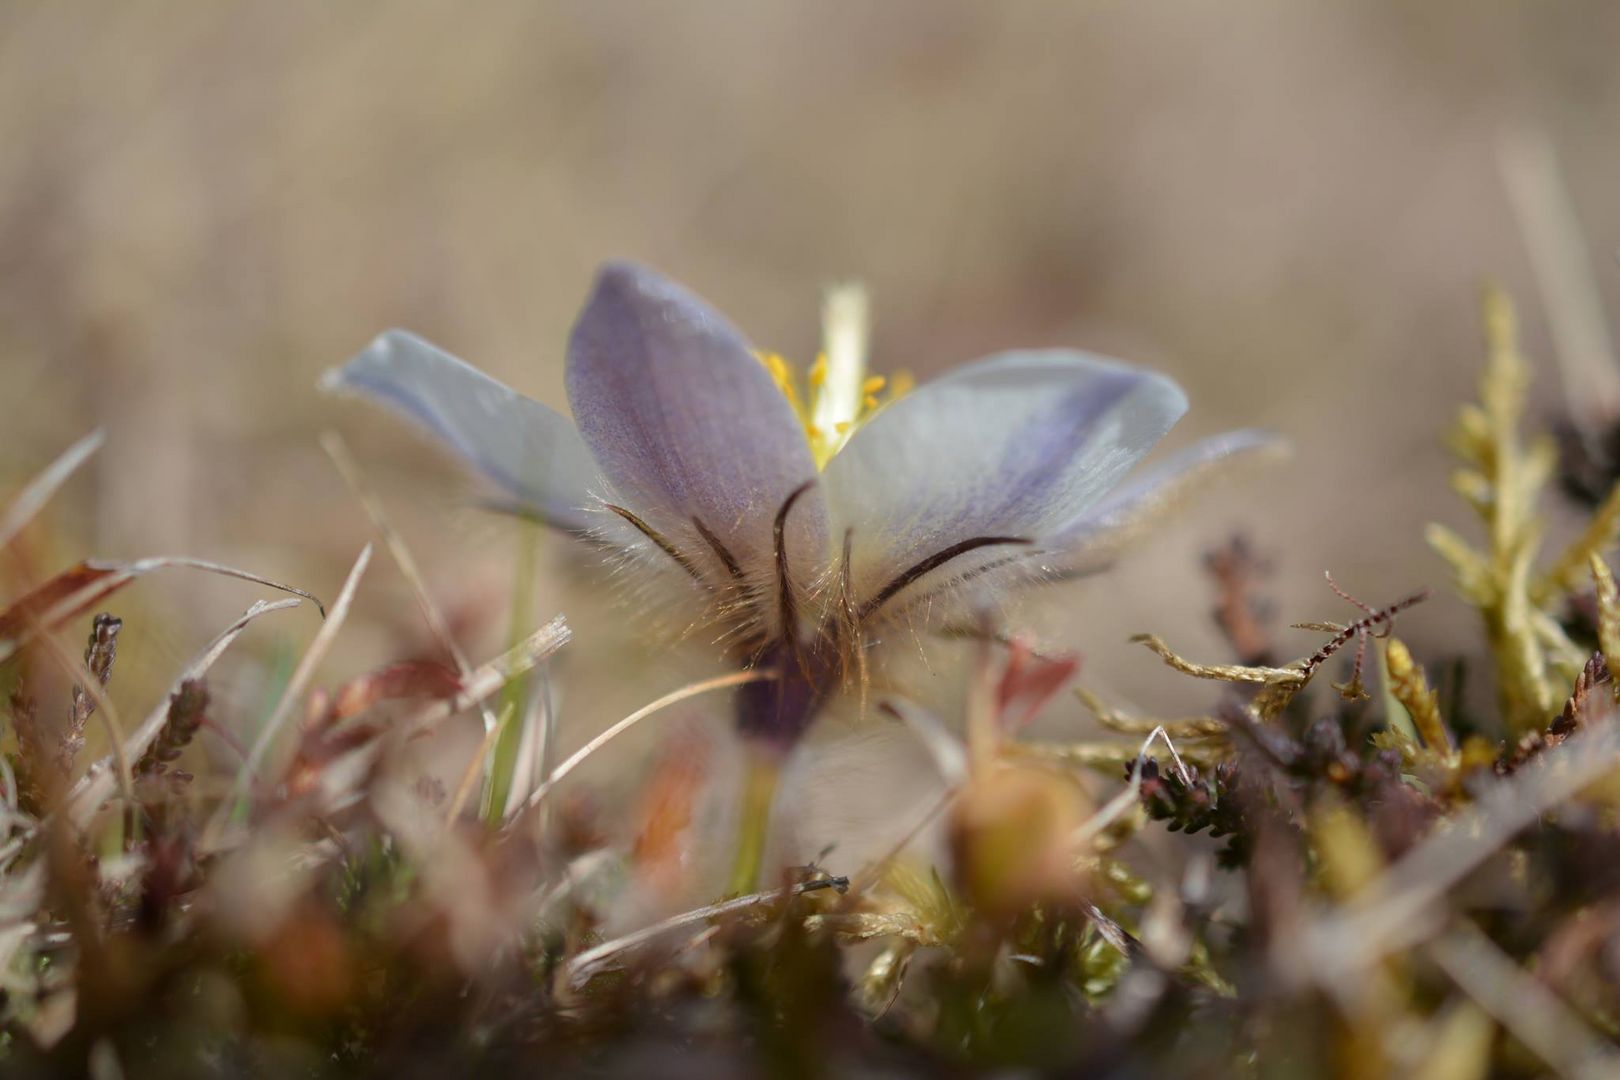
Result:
x=1239 y=612
x=1380 y=619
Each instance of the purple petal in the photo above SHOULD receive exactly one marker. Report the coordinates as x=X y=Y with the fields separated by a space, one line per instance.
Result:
x=687 y=424
x=1007 y=448
x=532 y=454
x=1131 y=505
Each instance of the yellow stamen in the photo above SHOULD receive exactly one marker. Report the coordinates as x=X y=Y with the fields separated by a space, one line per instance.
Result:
x=835 y=395
x=782 y=374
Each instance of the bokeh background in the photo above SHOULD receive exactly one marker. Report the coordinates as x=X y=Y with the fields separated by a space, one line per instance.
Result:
x=1290 y=207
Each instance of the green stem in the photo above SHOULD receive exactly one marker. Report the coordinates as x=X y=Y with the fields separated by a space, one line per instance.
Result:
x=503 y=759
x=754 y=822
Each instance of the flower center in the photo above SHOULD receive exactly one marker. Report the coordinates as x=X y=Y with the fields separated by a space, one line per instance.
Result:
x=836 y=395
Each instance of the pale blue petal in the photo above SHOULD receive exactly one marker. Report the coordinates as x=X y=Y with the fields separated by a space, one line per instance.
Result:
x=531 y=454
x=1010 y=447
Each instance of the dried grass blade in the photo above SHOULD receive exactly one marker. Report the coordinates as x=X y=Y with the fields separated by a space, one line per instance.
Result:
x=489 y=678
x=349 y=469
x=950 y=757
x=293 y=692
x=587 y=963
x=32 y=499
x=693 y=690
x=1563 y=271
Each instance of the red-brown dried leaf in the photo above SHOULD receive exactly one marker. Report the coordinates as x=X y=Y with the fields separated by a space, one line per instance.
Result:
x=72 y=592
x=408 y=679
x=1028 y=682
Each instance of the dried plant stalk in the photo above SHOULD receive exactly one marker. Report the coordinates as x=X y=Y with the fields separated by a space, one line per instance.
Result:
x=33 y=498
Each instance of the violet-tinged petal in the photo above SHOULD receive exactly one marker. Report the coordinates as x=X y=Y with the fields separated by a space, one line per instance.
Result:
x=687 y=424
x=1132 y=506
x=532 y=454
x=1009 y=447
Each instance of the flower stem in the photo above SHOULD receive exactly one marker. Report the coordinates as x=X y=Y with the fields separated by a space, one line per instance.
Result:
x=503 y=759
x=754 y=820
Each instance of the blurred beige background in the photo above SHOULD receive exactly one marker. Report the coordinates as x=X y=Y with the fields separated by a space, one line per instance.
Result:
x=1288 y=206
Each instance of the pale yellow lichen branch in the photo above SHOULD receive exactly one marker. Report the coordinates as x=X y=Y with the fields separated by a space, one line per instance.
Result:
x=1278 y=685
x=1220 y=672
x=1568 y=571
x=1608 y=604
x=1112 y=757
x=1411 y=689
x=1501 y=479
x=1115 y=719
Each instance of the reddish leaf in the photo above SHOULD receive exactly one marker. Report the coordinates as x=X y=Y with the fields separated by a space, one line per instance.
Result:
x=69 y=593
x=408 y=679
x=1028 y=682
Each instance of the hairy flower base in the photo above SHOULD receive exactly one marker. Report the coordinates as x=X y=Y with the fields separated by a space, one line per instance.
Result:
x=776 y=712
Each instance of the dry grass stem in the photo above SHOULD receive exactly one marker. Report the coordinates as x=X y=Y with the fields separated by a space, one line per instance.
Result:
x=579 y=756
x=1546 y=217
x=592 y=960
x=32 y=499
x=352 y=475
x=292 y=694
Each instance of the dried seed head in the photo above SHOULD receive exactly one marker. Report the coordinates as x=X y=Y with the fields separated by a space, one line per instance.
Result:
x=99 y=653
x=187 y=708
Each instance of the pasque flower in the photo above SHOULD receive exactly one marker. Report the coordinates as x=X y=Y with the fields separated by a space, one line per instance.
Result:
x=804 y=515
